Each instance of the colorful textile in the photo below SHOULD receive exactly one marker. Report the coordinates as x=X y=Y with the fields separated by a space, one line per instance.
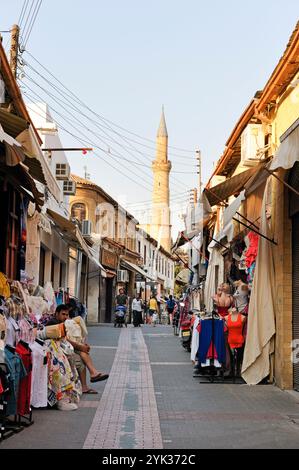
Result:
x=206 y=337
x=59 y=373
x=251 y=253
x=235 y=332
x=39 y=385
x=23 y=405
x=4 y=286
x=17 y=372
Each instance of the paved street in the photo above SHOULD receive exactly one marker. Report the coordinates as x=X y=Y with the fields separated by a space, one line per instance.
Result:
x=151 y=400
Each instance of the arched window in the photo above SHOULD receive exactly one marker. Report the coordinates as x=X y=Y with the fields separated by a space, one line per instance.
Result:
x=79 y=211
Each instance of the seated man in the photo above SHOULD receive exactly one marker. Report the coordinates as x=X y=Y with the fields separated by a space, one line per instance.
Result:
x=81 y=351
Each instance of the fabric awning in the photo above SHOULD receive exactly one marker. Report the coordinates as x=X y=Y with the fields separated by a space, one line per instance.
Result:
x=11 y=123
x=288 y=152
x=133 y=267
x=183 y=277
x=231 y=186
x=261 y=316
x=35 y=160
x=19 y=177
x=74 y=236
x=227 y=231
x=231 y=210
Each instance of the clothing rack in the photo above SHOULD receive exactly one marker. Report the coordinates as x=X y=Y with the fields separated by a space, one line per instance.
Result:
x=7 y=427
x=213 y=378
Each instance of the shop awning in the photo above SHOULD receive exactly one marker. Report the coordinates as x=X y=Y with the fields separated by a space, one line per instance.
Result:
x=231 y=186
x=11 y=123
x=231 y=210
x=74 y=236
x=288 y=152
x=183 y=277
x=20 y=178
x=133 y=267
x=227 y=231
x=34 y=156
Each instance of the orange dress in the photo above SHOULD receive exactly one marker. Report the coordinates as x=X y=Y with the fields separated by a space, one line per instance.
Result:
x=235 y=332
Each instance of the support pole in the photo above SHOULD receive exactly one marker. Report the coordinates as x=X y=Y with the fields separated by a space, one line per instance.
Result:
x=14 y=47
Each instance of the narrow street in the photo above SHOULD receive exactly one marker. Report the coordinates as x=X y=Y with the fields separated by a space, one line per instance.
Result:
x=151 y=400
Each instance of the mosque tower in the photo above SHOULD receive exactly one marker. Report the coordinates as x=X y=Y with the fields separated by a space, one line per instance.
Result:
x=161 y=166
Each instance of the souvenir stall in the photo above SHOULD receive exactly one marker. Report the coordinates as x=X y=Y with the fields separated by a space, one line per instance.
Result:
x=36 y=366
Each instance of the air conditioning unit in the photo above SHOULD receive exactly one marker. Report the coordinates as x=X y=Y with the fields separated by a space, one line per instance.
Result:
x=122 y=275
x=69 y=188
x=86 y=228
x=62 y=171
x=252 y=140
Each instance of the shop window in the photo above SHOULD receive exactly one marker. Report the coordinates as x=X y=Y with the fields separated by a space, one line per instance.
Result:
x=79 y=211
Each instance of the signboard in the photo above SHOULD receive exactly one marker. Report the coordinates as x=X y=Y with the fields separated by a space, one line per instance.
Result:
x=109 y=259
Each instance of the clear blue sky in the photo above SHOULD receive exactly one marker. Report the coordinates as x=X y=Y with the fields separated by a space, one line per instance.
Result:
x=203 y=60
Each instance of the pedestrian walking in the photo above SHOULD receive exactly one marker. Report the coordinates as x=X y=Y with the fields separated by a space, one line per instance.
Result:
x=137 y=307
x=170 y=304
x=153 y=308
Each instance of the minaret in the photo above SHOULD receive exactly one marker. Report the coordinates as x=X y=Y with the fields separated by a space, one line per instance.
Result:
x=160 y=223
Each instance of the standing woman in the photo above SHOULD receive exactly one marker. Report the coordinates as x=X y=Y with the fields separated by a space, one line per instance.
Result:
x=137 y=310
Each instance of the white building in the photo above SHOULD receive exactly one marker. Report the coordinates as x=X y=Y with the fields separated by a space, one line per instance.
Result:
x=157 y=262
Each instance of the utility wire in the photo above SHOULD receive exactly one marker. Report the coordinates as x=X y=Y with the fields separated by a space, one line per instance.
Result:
x=23 y=11
x=86 y=142
x=28 y=16
x=67 y=97
x=70 y=104
x=38 y=5
x=113 y=154
x=98 y=115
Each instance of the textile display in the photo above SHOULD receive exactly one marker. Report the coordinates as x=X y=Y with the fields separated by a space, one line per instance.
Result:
x=195 y=339
x=24 y=393
x=261 y=315
x=17 y=372
x=206 y=336
x=216 y=259
x=4 y=286
x=39 y=385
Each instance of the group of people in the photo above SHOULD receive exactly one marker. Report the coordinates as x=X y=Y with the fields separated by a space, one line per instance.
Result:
x=143 y=312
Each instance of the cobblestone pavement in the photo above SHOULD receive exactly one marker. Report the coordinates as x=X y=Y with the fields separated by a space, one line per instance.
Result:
x=151 y=400
x=127 y=416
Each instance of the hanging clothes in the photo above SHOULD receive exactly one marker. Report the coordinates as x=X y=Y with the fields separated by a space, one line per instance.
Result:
x=23 y=405
x=251 y=253
x=212 y=329
x=26 y=330
x=39 y=385
x=195 y=339
x=4 y=286
x=235 y=332
x=12 y=332
x=2 y=331
x=17 y=372
x=59 y=373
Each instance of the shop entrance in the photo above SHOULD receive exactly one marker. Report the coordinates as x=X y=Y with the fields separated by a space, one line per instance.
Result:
x=295 y=291
x=109 y=299
x=294 y=213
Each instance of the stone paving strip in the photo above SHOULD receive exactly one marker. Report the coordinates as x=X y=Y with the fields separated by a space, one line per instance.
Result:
x=127 y=415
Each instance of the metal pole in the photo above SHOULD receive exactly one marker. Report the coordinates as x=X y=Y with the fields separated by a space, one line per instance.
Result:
x=198 y=157
x=14 y=48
